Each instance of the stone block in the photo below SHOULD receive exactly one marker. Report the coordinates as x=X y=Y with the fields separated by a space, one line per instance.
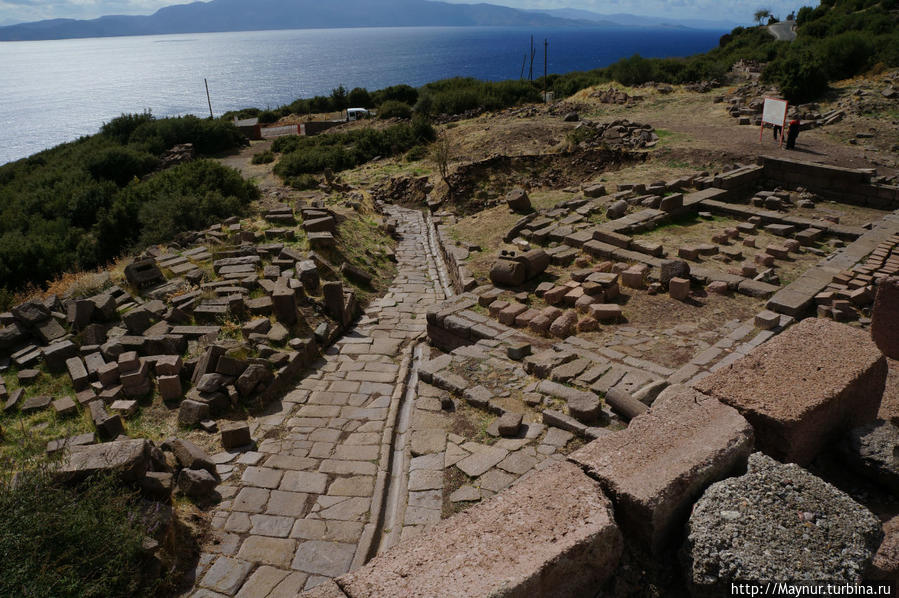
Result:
x=552 y=534
x=831 y=389
x=128 y=459
x=660 y=464
x=606 y=312
x=679 y=288
x=518 y=200
x=170 y=387
x=885 y=317
x=508 y=272
x=235 y=434
x=565 y=325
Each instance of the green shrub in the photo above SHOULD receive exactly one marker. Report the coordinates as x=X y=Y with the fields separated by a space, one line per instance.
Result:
x=79 y=542
x=266 y=157
x=207 y=136
x=120 y=129
x=340 y=151
x=268 y=117
x=419 y=152
x=359 y=98
x=398 y=93
x=121 y=164
x=394 y=109
x=303 y=182
x=800 y=77
x=845 y=55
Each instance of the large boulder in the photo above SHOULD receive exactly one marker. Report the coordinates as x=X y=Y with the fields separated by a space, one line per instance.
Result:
x=673 y=269
x=776 y=523
x=535 y=261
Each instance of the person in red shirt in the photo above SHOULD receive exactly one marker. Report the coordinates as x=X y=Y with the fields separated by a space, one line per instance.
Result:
x=792 y=133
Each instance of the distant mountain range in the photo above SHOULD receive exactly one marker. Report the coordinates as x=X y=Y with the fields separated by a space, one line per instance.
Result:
x=629 y=20
x=255 y=15
x=260 y=15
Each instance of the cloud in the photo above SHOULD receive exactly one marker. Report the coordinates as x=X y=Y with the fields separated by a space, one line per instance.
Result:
x=732 y=10
x=34 y=10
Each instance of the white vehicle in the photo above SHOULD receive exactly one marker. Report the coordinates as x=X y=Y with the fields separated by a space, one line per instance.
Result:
x=357 y=114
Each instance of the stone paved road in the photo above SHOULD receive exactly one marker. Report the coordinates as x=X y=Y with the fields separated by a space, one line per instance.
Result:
x=296 y=511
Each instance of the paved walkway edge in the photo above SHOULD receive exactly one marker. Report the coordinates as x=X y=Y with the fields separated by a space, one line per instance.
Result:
x=368 y=543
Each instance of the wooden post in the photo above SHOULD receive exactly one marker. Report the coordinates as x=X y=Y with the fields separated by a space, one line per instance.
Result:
x=208 y=99
x=531 y=69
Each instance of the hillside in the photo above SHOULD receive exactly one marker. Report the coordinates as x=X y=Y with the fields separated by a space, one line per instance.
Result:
x=241 y=15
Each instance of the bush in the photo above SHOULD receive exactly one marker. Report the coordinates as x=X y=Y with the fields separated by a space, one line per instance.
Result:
x=340 y=151
x=845 y=55
x=207 y=136
x=62 y=541
x=121 y=164
x=419 y=152
x=394 y=109
x=359 y=98
x=120 y=129
x=800 y=76
x=398 y=93
x=303 y=182
x=266 y=157
x=268 y=117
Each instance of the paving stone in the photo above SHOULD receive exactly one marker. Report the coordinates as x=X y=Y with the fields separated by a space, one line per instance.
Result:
x=268 y=551
x=226 y=575
x=329 y=559
x=480 y=462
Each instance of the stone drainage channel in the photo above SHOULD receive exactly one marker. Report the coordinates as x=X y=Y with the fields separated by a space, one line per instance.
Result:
x=389 y=526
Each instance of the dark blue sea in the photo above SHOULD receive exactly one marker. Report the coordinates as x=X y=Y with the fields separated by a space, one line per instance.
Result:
x=57 y=91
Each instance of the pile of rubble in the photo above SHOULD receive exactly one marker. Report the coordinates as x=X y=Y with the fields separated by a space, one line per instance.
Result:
x=702 y=86
x=620 y=133
x=615 y=96
x=177 y=155
x=248 y=308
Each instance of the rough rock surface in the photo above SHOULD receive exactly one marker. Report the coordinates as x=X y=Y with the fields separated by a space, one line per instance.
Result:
x=870 y=450
x=552 y=534
x=776 y=523
x=128 y=458
x=655 y=468
x=885 y=317
x=832 y=389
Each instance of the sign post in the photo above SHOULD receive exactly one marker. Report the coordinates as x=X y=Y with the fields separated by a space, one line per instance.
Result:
x=775 y=114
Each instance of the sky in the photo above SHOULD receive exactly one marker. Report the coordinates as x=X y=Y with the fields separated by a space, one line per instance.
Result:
x=739 y=11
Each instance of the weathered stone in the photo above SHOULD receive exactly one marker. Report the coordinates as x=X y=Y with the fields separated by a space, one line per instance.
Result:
x=584 y=406
x=509 y=424
x=564 y=325
x=191 y=456
x=885 y=317
x=617 y=210
x=56 y=355
x=196 y=483
x=673 y=269
x=284 y=304
x=679 y=288
x=129 y=459
x=508 y=272
x=518 y=200
x=254 y=376
x=835 y=387
x=235 y=434
x=655 y=468
x=871 y=449
x=776 y=523
x=550 y=535
x=190 y=412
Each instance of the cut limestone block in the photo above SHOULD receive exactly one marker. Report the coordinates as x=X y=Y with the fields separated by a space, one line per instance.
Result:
x=655 y=468
x=833 y=388
x=552 y=534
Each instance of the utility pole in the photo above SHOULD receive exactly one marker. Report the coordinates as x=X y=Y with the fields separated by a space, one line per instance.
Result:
x=545 y=52
x=524 y=63
x=208 y=99
x=531 y=70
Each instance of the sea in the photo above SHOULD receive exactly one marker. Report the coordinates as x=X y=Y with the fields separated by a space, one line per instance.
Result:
x=57 y=91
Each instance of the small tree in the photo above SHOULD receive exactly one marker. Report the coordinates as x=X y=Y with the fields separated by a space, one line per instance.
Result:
x=761 y=14
x=339 y=98
x=440 y=153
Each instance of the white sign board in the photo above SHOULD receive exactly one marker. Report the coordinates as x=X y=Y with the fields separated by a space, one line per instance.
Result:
x=775 y=112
